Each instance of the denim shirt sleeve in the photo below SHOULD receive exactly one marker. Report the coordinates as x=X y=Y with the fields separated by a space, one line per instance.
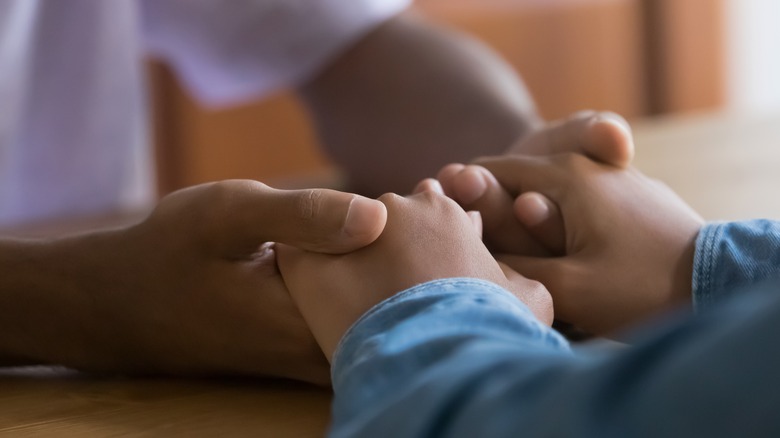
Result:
x=441 y=328
x=465 y=358
x=731 y=256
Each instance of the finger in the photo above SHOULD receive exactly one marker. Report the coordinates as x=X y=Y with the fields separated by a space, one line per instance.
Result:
x=475 y=188
x=532 y=293
x=296 y=267
x=518 y=174
x=602 y=136
x=608 y=139
x=446 y=175
x=471 y=184
x=290 y=261
x=543 y=220
x=246 y=213
x=428 y=185
x=448 y=210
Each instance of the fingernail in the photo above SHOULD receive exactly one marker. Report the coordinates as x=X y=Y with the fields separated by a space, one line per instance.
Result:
x=471 y=186
x=533 y=210
x=364 y=217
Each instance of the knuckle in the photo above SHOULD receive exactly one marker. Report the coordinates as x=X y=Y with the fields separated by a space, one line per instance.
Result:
x=204 y=204
x=429 y=197
x=540 y=300
x=311 y=215
x=391 y=199
x=218 y=195
x=222 y=200
x=224 y=193
x=440 y=202
x=536 y=288
x=308 y=204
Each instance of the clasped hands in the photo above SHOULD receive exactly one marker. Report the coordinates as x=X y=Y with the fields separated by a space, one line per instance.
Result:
x=188 y=292
x=583 y=232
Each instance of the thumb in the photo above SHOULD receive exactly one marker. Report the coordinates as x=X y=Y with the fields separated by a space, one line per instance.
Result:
x=244 y=214
x=603 y=136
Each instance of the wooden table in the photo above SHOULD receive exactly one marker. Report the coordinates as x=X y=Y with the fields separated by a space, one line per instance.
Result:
x=727 y=167
x=60 y=403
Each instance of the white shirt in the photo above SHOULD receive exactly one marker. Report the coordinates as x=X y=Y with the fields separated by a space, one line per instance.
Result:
x=73 y=118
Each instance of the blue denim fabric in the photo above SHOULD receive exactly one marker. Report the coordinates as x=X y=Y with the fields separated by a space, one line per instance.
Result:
x=730 y=256
x=465 y=358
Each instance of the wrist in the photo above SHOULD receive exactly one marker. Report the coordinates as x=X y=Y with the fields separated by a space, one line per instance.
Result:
x=48 y=309
x=34 y=309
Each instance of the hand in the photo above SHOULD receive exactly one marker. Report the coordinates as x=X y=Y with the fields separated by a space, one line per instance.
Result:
x=628 y=245
x=603 y=136
x=600 y=135
x=190 y=291
x=427 y=237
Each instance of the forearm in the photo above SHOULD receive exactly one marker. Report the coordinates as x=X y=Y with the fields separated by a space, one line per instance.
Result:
x=412 y=96
x=46 y=314
x=469 y=362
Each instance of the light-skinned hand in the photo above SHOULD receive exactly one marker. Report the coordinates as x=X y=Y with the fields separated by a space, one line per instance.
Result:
x=427 y=237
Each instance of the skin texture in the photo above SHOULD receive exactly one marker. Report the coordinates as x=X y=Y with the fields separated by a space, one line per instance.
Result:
x=189 y=291
x=627 y=250
x=427 y=237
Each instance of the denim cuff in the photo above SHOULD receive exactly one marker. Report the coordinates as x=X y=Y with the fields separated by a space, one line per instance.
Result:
x=703 y=290
x=392 y=311
x=733 y=257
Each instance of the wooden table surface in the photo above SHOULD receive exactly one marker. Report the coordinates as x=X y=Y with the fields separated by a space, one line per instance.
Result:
x=727 y=167
x=38 y=402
